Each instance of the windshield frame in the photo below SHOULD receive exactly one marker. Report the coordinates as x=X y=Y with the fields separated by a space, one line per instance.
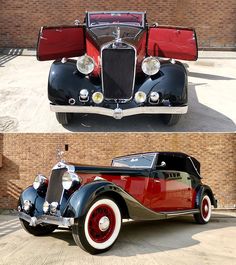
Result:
x=134 y=156
x=115 y=12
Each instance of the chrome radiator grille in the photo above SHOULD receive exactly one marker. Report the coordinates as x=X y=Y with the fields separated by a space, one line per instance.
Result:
x=118 y=72
x=55 y=188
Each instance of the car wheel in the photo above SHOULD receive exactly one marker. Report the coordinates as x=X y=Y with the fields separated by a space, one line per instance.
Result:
x=64 y=118
x=99 y=228
x=170 y=119
x=38 y=230
x=204 y=215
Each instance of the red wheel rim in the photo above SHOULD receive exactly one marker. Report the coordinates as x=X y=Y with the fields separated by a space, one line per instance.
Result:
x=101 y=213
x=205 y=208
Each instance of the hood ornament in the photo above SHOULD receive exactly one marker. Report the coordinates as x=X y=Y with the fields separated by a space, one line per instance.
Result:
x=117 y=35
x=60 y=155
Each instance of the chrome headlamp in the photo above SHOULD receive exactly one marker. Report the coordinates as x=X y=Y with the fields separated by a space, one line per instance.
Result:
x=140 y=97
x=151 y=65
x=69 y=179
x=40 y=181
x=85 y=64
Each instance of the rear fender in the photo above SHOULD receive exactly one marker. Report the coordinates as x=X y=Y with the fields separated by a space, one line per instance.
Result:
x=204 y=189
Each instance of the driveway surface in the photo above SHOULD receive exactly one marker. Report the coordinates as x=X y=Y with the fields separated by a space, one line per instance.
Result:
x=24 y=106
x=174 y=241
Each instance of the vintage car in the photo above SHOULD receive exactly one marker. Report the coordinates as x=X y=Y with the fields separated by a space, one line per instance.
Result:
x=123 y=67
x=93 y=200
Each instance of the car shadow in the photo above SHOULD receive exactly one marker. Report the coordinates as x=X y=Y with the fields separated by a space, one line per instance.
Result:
x=155 y=236
x=200 y=118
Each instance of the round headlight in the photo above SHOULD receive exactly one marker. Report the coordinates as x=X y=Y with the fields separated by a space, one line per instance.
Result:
x=85 y=64
x=140 y=97
x=151 y=65
x=69 y=178
x=97 y=97
x=39 y=181
x=27 y=205
x=46 y=207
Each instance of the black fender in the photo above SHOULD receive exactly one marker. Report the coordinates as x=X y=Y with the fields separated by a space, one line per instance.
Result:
x=36 y=198
x=204 y=189
x=65 y=82
x=80 y=201
x=171 y=82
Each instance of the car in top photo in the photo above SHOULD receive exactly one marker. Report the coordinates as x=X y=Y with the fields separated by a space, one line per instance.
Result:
x=93 y=200
x=123 y=66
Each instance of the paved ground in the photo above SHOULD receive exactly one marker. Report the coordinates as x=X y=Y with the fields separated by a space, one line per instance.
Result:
x=25 y=107
x=175 y=241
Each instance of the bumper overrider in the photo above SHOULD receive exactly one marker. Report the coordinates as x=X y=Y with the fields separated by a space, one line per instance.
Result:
x=48 y=219
x=119 y=113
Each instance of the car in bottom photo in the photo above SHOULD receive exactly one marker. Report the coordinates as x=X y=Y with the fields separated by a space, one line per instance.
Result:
x=93 y=200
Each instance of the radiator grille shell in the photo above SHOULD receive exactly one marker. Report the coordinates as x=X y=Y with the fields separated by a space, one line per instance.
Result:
x=118 y=72
x=55 y=188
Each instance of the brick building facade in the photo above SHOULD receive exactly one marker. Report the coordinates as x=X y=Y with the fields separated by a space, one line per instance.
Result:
x=214 y=20
x=24 y=155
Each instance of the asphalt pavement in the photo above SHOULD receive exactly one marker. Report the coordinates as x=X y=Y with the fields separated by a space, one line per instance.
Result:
x=24 y=106
x=174 y=241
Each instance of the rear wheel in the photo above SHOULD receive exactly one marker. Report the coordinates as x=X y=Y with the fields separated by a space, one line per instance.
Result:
x=204 y=215
x=64 y=118
x=38 y=230
x=170 y=119
x=98 y=230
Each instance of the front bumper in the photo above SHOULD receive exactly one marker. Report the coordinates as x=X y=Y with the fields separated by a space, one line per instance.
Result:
x=49 y=219
x=119 y=113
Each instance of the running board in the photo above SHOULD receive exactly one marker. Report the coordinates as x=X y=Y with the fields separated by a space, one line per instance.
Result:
x=179 y=213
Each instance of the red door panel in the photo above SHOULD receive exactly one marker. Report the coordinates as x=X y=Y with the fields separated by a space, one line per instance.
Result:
x=58 y=42
x=171 y=191
x=173 y=42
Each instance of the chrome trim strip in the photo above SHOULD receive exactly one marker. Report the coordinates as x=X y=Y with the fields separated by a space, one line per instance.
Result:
x=135 y=63
x=179 y=213
x=125 y=113
x=49 y=219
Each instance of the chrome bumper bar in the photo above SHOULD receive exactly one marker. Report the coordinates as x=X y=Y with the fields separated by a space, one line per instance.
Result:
x=49 y=219
x=119 y=113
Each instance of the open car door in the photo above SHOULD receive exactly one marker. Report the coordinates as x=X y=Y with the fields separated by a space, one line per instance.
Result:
x=173 y=42
x=58 y=42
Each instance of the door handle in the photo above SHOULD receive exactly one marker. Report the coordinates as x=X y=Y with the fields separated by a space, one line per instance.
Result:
x=124 y=177
x=156 y=180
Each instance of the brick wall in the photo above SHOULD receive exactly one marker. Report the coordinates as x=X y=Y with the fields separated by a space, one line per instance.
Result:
x=214 y=20
x=24 y=155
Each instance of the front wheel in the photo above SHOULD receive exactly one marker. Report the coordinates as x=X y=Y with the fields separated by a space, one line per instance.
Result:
x=204 y=215
x=64 y=118
x=170 y=119
x=38 y=230
x=99 y=228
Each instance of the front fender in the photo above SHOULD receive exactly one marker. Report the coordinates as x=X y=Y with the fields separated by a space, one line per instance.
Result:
x=80 y=201
x=37 y=199
x=170 y=82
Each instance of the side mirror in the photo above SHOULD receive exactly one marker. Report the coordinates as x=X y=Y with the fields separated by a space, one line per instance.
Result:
x=163 y=164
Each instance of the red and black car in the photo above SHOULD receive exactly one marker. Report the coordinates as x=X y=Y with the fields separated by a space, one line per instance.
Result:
x=124 y=66
x=93 y=201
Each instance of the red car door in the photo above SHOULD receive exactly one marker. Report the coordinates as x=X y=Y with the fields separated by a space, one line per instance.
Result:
x=171 y=191
x=172 y=42
x=58 y=42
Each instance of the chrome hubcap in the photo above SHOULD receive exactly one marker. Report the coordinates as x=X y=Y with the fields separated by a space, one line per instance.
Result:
x=206 y=208
x=104 y=223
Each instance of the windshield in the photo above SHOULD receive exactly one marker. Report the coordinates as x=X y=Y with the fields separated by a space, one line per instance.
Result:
x=124 y=18
x=135 y=161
